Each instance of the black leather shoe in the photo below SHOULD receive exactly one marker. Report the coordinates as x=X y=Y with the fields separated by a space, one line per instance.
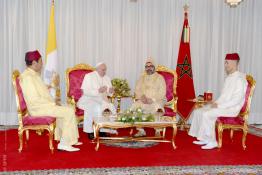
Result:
x=103 y=134
x=91 y=136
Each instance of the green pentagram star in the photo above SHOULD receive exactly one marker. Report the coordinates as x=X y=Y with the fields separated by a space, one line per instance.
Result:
x=184 y=71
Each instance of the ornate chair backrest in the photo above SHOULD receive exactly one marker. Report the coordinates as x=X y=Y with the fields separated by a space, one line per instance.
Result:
x=20 y=101
x=74 y=79
x=170 y=77
x=244 y=112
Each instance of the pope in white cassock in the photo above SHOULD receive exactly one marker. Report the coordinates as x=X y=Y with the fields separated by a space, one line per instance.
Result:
x=228 y=104
x=96 y=88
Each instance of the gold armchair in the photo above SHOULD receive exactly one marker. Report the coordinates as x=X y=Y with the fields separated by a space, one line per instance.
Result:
x=28 y=122
x=74 y=79
x=238 y=122
x=170 y=77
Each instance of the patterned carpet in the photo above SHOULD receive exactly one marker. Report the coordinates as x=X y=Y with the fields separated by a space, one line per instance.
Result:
x=159 y=170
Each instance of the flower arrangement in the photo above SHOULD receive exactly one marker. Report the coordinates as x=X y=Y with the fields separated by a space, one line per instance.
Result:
x=121 y=87
x=137 y=115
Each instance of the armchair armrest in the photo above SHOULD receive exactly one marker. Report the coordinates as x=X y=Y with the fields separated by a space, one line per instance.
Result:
x=172 y=103
x=71 y=101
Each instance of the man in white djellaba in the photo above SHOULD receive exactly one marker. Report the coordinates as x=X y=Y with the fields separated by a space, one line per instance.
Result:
x=228 y=104
x=96 y=88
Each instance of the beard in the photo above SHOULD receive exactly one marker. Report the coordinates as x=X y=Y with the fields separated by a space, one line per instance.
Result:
x=150 y=72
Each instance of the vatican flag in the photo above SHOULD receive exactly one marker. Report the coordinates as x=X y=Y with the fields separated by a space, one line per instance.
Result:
x=51 y=76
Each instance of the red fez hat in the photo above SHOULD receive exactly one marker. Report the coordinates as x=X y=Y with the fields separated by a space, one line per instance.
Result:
x=32 y=55
x=232 y=56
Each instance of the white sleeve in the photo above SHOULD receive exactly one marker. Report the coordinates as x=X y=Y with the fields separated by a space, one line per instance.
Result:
x=109 y=85
x=223 y=94
x=88 y=87
x=237 y=96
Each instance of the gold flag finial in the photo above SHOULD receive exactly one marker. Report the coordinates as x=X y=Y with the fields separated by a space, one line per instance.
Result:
x=186 y=7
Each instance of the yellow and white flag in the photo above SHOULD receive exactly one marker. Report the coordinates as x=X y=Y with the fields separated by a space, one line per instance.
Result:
x=51 y=77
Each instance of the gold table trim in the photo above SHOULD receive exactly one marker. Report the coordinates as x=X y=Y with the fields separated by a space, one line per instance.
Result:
x=97 y=125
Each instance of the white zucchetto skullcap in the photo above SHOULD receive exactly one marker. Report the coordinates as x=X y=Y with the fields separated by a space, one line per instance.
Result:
x=99 y=64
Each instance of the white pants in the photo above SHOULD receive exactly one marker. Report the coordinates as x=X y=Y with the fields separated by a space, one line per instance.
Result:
x=204 y=122
x=95 y=109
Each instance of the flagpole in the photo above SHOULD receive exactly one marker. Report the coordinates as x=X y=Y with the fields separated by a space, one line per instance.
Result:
x=51 y=75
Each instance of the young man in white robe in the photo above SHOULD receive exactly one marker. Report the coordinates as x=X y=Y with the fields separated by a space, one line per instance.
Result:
x=228 y=104
x=96 y=88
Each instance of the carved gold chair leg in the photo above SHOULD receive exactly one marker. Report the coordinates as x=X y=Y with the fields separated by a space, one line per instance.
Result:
x=220 y=135
x=25 y=143
x=231 y=134
x=97 y=139
x=51 y=136
x=20 y=135
x=174 y=136
x=164 y=132
x=51 y=142
x=27 y=135
x=244 y=138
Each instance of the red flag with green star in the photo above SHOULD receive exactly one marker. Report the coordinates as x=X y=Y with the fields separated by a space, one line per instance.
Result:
x=185 y=83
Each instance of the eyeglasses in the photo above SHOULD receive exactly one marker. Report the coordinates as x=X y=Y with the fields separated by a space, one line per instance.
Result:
x=151 y=66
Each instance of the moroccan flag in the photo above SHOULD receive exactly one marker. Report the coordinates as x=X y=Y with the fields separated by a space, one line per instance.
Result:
x=185 y=83
x=51 y=77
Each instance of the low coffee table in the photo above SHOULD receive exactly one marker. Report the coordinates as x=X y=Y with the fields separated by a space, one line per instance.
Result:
x=110 y=122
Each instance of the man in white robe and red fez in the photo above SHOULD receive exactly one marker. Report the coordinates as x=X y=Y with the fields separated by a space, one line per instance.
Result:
x=96 y=88
x=40 y=103
x=228 y=104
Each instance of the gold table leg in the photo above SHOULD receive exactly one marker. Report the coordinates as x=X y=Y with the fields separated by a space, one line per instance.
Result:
x=96 y=132
x=99 y=140
x=118 y=104
x=174 y=136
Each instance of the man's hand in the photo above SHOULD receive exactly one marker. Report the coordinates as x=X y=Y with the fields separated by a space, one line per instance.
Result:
x=111 y=90
x=149 y=101
x=143 y=99
x=48 y=87
x=58 y=101
x=102 y=89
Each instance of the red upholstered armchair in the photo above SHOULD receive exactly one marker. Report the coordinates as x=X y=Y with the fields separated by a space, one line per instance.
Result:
x=170 y=77
x=28 y=122
x=74 y=78
x=238 y=122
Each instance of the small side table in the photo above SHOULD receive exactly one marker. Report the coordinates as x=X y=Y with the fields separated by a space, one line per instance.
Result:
x=199 y=103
